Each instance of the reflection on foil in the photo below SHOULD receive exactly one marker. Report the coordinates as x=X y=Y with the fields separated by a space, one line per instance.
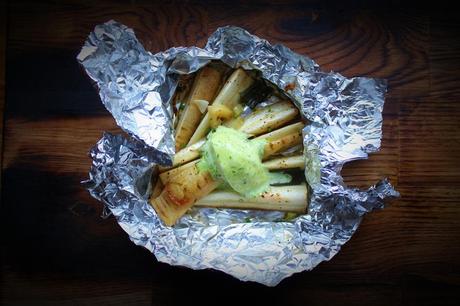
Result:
x=137 y=86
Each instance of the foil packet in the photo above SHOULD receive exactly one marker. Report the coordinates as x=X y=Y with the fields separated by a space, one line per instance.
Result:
x=137 y=88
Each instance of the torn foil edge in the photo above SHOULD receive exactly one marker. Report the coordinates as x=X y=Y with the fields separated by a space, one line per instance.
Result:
x=136 y=87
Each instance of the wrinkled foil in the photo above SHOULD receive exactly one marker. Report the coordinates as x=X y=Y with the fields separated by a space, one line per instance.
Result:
x=137 y=87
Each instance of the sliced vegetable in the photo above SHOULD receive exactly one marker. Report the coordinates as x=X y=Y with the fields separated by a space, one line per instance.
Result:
x=281 y=132
x=269 y=118
x=202 y=105
x=218 y=114
x=181 y=193
x=169 y=175
x=297 y=161
x=234 y=163
x=185 y=155
x=282 y=143
x=228 y=157
x=235 y=123
x=281 y=198
x=237 y=110
x=205 y=88
x=194 y=151
x=229 y=96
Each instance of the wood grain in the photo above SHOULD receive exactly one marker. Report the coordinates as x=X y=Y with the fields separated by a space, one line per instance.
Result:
x=57 y=249
x=60 y=143
x=2 y=78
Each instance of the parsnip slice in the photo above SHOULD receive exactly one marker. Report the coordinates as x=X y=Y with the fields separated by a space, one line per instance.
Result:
x=181 y=193
x=205 y=87
x=229 y=96
x=289 y=162
x=281 y=198
x=269 y=118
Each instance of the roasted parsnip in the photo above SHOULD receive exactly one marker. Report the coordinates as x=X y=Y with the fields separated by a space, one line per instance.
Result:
x=192 y=152
x=281 y=144
x=282 y=198
x=181 y=193
x=290 y=162
x=277 y=141
x=229 y=96
x=232 y=153
x=204 y=88
x=168 y=175
x=269 y=118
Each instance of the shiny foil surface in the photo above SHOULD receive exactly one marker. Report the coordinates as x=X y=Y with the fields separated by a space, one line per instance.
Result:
x=137 y=87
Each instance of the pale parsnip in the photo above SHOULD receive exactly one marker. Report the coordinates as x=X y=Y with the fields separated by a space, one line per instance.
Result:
x=181 y=193
x=192 y=152
x=281 y=132
x=202 y=105
x=282 y=143
x=290 y=162
x=168 y=175
x=185 y=155
x=204 y=87
x=282 y=198
x=185 y=185
x=269 y=118
x=229 y=96
x=218 y=114
x=278 y=140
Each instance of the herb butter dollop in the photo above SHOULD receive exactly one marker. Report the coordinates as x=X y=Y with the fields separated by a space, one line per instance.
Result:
x=236 y=161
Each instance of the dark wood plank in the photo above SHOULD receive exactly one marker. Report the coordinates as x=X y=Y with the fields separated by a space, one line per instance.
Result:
x=352 y=42
x=60 y=144
x=2 y=77
x=63 y=90
x=59 y=251
x=180 y=24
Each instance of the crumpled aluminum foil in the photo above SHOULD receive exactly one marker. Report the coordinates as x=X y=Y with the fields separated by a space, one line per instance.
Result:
x=137 y=86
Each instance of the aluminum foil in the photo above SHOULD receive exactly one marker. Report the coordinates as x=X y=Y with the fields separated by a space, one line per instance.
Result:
x=137 y=86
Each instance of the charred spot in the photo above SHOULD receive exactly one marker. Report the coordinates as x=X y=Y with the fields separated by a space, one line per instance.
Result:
x=289 y=86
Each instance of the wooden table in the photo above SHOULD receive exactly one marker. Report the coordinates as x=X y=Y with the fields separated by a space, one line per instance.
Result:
x=57 y=249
